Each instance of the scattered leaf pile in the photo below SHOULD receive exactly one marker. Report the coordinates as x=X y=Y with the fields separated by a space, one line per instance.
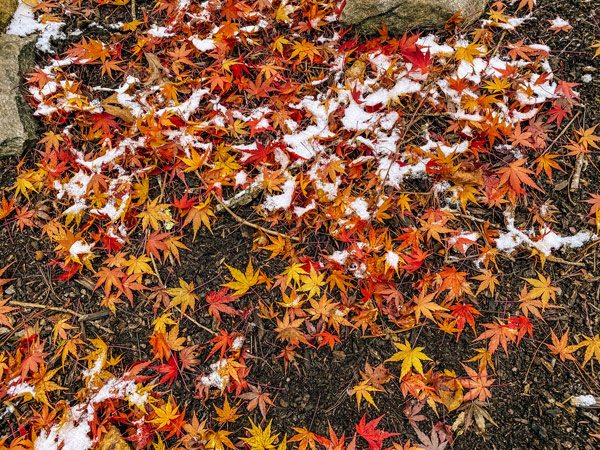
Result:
x=388 y=175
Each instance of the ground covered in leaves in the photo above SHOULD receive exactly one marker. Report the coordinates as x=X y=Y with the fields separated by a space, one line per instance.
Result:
x=244 y=226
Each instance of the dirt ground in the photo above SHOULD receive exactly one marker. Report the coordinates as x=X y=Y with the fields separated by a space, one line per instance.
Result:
x=530 y=403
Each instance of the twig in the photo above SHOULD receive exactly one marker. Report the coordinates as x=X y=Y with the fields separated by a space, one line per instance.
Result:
x=156 y=269
x=133 y=9
x=499 y=42
x=564 y=130
x=244 y=221
x=80 y=317
x=556 y=259
x=252 y=225
x=199 y=325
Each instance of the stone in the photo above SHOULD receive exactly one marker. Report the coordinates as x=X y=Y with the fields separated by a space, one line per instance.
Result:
x=401 y=15
x=18 y=127
x=7 y=9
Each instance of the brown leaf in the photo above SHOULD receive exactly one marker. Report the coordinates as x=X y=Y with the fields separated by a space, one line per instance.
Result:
x=156 y=70
x=112 y=106
x=462 y=176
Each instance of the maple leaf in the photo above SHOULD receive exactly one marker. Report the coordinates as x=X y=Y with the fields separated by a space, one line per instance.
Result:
x=425 y=305
x=170 y=370
x=467 y=53
x=199 y=215
x=415 y=260
x=498 y=333
x=51 y=140
x=306 y=438
x=217 y=440
x=183 y=295
x=373 y=436
x=196 y=162
x=312 y=282
x=243 y=282
x=153 y=214
x=592 y=350
x=542 y=289
x=364 y=389
x=559 y=24
x=519 y=137
x=288 y=330
x=484 y=357
x=527 y=3
x=433 y=441
x=260 y=439
x=166 y=416
x=304 y=49
x=328 y=339
x=218 y=303
x=420 y=61
x=138 y=265
x=410 y=357
x=257 y=398
x=222 y=342
x=596 y=45
x=478 y=384
x=227 y=413
x=516 y=175
x=488 y=281
x=3 y=310
x=188 y=357
x=33 y=359
x=259 y=88
x=463 y=312
x=587 y=138
x=546 y=163
x=561 y=347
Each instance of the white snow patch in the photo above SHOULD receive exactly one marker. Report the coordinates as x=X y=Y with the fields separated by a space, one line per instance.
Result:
x=283 y=200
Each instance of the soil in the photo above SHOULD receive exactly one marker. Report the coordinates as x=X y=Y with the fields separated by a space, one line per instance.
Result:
x=530 y=403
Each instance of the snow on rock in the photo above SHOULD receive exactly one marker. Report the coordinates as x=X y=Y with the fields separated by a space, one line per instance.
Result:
x=24 y=23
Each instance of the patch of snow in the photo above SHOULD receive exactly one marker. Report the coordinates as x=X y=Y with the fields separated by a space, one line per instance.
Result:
x=24 y=23
x=283 y=200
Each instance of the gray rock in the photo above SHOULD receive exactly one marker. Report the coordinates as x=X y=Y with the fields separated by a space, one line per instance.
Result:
x=400 y=15
x=17 y=126
x=7 y=9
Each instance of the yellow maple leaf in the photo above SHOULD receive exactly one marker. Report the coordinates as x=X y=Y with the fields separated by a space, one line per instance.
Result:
x=542 y=289
x=593 y=348
x=183 y=295
x=467 y=53
x=260 y=439
x=410 y=357
x=364 y=389
x=227 y=413
x=312 y=283
x=242 y=282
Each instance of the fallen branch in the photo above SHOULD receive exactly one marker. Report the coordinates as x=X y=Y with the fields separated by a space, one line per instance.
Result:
x=80 y=317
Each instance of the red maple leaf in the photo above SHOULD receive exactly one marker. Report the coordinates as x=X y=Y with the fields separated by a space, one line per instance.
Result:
x=418 y=59
x=104 y=121
x=170 y=370
x=218 y=303
x=415 y=260
x=373 y=436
